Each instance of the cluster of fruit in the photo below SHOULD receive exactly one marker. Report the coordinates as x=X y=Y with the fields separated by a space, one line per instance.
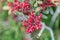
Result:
x=32 y=23
x=46 y=3
x=20 y=6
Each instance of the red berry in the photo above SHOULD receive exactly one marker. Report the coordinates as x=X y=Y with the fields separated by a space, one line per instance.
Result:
x=40 y=15
x=33 y=23
x=10 y=4
x=46 y=4
x=15 y=0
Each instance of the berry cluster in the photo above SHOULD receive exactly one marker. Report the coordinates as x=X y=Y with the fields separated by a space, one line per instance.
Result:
x=20 y=6
x=46 y=3
x=32 y=23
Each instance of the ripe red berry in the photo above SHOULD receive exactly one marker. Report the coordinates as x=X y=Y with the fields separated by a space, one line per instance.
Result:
x=33 y=23
x=15 y=0
x=20 y=6
x=46 y=3
x=10 y=4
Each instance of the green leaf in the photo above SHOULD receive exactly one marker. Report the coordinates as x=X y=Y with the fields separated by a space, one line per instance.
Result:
x=10 y=0
x=44 y=17
x=51 y=11
x=35 y=5
x=19 y=13
x=21 y=0
x=39 y=2
x=32 y=3
x=46 y=11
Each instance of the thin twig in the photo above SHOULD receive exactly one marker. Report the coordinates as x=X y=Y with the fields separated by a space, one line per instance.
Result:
x=55 y=16
x=49 y=29
x=41 y=31
x=51 y=32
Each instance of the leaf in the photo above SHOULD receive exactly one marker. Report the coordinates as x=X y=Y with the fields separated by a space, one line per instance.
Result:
x=19 y=13
x=39 y=2
x=32 y=3
x=21 y=0
x=10 y=0
x=44 y=16
x=35 y=5
x=51 y=11
x=46 y=11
